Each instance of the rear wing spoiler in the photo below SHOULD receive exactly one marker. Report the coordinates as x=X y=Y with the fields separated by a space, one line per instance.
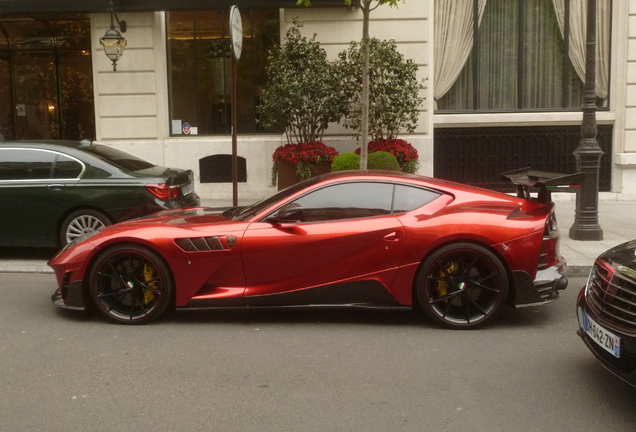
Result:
x=546 y=182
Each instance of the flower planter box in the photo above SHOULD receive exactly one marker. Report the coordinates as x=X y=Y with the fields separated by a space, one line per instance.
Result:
x=287 y=175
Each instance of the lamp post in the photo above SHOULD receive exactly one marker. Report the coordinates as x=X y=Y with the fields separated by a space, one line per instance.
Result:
x=113 y=42
x=588 y=153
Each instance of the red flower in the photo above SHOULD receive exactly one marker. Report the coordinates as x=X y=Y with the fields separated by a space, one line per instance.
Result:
x=304 y=152
x=402 y=150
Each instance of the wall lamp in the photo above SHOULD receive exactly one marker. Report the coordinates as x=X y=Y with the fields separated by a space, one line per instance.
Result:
x=113 y=42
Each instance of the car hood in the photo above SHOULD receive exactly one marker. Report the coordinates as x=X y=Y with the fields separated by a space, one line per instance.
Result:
x=187 y=212
x=622 y=256
x=181 y=217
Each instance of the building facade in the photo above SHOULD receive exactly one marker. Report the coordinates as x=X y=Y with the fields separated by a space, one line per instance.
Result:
x=502 y=82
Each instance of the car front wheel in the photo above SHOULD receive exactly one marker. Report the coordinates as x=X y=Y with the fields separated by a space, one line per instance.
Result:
x=131 y=284
x=462 y=286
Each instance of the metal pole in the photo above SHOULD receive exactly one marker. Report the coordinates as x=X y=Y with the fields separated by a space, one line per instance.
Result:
x=234 y=143
x=588 y=153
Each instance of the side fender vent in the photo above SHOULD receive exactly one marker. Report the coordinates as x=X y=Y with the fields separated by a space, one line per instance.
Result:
x=203 y=244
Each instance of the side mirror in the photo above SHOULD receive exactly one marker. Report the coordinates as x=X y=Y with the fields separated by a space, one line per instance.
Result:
x=289 y=213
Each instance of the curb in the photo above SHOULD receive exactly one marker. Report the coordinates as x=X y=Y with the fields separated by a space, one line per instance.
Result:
x=578 y=270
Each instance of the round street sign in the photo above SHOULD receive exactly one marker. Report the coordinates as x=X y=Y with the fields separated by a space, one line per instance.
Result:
x=236 y=32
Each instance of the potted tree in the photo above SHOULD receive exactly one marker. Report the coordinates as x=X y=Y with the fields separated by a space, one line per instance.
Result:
x=394 y=99
x=301 y=97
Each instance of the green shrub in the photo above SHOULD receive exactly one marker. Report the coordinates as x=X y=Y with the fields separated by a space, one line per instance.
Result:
x=382 y=160
x=345 y=162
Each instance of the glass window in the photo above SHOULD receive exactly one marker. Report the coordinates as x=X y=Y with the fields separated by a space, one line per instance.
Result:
x=118 y=158
x=520 y=60
x=347 y=201
x=47 y=67
x=6 y=95
x=199 y=58
x=66 y=168
x=409 y=198
x=25 y=164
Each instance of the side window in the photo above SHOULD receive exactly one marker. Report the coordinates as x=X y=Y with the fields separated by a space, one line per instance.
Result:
x=21 y=164
x=66 y=168
x=347 y=201
x=409 y=198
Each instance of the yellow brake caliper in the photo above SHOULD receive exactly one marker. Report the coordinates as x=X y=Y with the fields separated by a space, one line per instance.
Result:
x=149 y=275
x=442 y=286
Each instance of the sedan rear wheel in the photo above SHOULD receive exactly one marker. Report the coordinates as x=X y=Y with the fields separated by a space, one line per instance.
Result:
x=462 y=286
x=81 y=222
x=131 y=284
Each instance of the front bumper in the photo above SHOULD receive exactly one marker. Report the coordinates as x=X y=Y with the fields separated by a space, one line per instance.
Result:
x=73 y=297
x=623 y=367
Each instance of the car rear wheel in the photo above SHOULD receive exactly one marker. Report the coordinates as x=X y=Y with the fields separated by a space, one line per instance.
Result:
x=462 y=286
x=81 y=222
x=131 y=284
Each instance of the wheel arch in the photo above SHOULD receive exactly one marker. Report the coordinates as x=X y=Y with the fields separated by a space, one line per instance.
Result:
x=104 y=249
x=510 y=296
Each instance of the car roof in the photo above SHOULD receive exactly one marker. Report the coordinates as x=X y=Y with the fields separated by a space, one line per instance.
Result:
x=47 y=144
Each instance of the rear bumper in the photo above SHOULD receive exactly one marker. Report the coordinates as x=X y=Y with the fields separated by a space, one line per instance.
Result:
x=545 y=288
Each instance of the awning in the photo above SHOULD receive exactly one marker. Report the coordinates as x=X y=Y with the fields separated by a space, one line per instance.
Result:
x=25 y=7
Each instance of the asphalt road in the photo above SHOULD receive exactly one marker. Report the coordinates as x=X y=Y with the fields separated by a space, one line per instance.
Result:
x=298 y=370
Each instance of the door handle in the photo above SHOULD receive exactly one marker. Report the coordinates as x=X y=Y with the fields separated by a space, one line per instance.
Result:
x=391 y=236
x=56 y=186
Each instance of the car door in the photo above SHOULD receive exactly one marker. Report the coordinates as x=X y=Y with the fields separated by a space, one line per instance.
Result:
x=31 y=201
x=346 y=250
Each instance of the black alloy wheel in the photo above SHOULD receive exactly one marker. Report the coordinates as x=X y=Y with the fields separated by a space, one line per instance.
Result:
x=131 y=284
x=462 y=286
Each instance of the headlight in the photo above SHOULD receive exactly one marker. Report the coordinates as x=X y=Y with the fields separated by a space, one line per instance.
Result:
x=80 y=239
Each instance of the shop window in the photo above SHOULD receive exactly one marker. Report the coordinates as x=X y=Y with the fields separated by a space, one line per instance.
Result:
x=199 y=65
x=46 y=79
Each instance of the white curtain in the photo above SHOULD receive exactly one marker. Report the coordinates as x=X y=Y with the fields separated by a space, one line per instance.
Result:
x=453 y=40
x=578 y=26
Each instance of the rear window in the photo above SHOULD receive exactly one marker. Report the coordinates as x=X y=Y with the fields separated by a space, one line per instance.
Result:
x=118 y=158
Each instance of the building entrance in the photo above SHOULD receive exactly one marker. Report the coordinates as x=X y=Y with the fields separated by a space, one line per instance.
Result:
x=46 y=78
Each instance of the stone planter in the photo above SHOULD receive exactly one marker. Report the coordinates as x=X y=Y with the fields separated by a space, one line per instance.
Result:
x=287 y=175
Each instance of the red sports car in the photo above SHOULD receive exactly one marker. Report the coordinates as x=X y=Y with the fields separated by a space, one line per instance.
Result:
x=370 y=239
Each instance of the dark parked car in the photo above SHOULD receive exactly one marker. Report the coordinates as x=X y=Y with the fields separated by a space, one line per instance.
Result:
x=51 y=192
x=606 y=309
x=367 y=239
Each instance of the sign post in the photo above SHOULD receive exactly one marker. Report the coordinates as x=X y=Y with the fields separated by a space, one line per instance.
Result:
x=236 y=38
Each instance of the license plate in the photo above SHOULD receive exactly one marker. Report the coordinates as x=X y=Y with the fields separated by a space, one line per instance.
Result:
x=187 y=189
x=604 y=338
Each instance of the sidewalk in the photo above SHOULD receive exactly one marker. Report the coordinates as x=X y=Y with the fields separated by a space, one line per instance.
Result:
x=615 y=218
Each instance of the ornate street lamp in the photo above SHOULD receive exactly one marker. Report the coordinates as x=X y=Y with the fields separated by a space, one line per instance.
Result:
x=113 y=42
x=588 y=153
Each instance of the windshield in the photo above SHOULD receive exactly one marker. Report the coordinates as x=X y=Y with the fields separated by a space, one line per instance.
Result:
x=118 y=158
x=249 y=212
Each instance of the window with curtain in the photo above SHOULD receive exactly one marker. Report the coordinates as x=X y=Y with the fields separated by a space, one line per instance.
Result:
x=525 y=55
x=199 y=65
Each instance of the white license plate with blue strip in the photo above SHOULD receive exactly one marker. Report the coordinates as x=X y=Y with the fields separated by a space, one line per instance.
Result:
x=603 y=337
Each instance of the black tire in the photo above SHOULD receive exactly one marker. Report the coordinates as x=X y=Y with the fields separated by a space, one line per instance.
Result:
x=80 y=222
x=462 y=286
x=131 y=284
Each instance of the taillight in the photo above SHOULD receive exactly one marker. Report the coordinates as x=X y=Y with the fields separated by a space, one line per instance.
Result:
x=550 y=253
x=163 y=191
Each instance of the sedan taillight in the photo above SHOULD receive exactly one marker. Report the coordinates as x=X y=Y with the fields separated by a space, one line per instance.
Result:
x=163 y=191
